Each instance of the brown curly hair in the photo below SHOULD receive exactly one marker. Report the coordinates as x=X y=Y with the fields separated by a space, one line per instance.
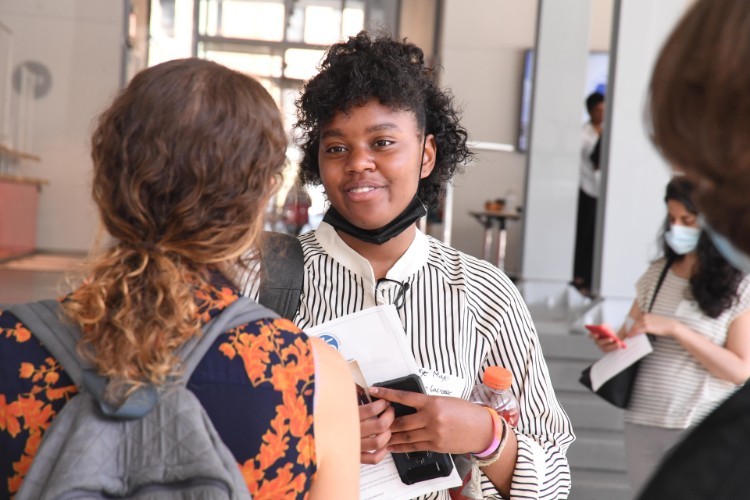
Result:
x=185 y=160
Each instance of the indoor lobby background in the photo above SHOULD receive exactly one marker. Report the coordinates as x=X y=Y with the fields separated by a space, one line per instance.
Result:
x=62 y=61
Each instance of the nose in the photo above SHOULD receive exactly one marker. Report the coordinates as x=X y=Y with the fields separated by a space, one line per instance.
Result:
x=360 y=160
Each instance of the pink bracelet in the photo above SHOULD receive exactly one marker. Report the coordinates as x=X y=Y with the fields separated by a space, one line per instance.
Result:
x=497 y=430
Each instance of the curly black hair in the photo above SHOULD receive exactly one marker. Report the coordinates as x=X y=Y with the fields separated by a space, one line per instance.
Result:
x=714 y=281
x=394 y=73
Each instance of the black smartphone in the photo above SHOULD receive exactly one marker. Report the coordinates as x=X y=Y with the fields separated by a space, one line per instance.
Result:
x=411 y=383
x=417 y=466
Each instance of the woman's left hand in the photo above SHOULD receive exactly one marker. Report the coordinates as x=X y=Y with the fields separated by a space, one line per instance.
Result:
x=654 y=324
x=441 y=424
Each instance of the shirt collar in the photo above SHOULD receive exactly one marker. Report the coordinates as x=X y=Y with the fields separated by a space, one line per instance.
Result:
x=413 y=259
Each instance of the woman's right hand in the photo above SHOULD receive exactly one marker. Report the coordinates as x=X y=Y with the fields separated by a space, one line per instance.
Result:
x=605 y=344
x=605 y=337
x=375 y=421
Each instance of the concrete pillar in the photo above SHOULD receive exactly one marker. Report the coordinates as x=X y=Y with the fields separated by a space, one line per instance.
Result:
x=562 y=48
x=632 y=208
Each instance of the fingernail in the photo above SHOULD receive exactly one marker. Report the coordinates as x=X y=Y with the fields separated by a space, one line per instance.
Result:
x=373 y=390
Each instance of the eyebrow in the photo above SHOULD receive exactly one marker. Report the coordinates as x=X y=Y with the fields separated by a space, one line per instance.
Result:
x=337 y=132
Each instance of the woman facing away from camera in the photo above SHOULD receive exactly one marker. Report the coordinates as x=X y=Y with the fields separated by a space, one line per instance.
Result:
x=700 y=323
x=382 y=138
x=185 y=159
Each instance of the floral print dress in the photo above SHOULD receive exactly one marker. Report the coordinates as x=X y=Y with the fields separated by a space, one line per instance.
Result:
x=256 y=384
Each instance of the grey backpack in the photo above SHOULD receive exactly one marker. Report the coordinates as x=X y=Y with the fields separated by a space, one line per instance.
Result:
x=160 y=444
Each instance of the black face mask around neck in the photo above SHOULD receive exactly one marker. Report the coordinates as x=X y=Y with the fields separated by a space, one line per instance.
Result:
x=415 y=211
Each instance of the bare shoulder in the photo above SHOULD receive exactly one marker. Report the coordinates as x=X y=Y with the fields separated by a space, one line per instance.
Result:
x=336 y=426
x=327 y=358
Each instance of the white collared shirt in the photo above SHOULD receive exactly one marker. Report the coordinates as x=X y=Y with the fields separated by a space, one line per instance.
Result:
x=461 y=315
x=590 y=178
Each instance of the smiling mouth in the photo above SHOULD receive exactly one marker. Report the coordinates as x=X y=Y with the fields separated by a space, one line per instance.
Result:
x=363 y=189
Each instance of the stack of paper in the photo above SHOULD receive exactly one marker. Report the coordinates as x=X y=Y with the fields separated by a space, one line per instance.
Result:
x=374 y=343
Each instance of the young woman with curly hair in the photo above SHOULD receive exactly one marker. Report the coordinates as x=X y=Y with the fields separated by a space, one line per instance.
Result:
x=382 y=138
x=700 y=321
x=185 y=160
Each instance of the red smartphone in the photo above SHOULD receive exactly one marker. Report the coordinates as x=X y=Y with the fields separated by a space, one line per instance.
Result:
x=602 y=331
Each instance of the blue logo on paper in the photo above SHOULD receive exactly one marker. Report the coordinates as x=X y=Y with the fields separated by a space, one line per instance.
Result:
x=330 y=340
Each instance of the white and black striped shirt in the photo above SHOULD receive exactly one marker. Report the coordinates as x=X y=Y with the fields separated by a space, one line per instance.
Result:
x=673 y=389
x=461 y=315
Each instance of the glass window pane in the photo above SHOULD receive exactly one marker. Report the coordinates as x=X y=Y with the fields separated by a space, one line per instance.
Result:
x=322 y=25
x=260 y=65
x=296 y=25
x=354 y=19
x=248 y=19
x=272 y=88
x=288 y=109
x=302 y=64
x=176 y=41
x=208 y=17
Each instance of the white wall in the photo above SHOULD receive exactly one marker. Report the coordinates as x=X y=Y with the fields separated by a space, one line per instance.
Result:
x=416 y=23
x=482 y=51
x=601 y=24
x=635 y=175
x=80 y=42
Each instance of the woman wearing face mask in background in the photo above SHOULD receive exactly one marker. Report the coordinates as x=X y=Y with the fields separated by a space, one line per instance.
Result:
x=700 y=320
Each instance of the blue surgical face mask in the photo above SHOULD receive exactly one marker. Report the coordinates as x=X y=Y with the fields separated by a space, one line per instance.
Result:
x=737 y=258
x=682 y=239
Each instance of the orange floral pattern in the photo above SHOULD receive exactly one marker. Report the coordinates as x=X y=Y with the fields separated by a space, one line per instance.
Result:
x=274 y=447
x=26 y=414
x=271 y=357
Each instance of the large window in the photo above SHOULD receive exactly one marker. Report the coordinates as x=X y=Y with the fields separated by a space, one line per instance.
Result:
x=280 y=42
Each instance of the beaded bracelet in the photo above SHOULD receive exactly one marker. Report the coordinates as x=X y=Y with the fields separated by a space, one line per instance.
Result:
x=497 y=429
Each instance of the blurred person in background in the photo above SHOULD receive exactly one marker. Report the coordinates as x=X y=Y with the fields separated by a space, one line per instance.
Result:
x=696 y=307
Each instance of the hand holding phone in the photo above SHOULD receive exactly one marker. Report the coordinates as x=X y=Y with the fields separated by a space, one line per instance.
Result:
x=417 y=466
x=604 y=332
x=411 y=383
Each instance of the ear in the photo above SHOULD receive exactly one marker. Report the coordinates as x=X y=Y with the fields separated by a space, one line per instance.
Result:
x=429 y=156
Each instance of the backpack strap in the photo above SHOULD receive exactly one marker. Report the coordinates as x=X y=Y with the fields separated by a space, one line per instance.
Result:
x=662 y=275
x=61 y=339
x=281 y=274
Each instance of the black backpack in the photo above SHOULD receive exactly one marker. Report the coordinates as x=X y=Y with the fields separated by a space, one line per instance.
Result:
x=282 y=272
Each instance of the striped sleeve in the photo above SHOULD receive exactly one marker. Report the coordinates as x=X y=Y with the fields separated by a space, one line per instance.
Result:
x=460 y=315
x=544 y=431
